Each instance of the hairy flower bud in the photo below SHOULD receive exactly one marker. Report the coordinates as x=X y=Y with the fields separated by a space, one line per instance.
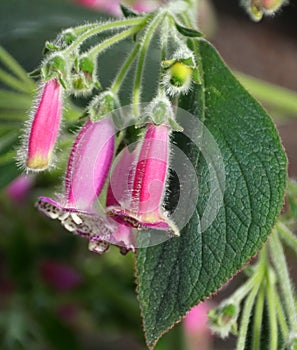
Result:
x=43 y=131
x=257 y=8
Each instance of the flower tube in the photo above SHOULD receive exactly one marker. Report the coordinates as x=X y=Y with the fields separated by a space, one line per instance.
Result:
x=44 y=128
x=87 y=169
x=142 y=206
x=119 y=186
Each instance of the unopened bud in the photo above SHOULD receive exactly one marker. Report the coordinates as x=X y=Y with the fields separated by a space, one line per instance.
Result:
x=179 y=72
x=258 y=8
x=84 y=79
x=160 y=112
x=223 y=319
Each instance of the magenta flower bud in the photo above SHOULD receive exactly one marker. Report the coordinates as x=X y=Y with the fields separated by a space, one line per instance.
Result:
x=44 y=128
x=142 y=206
x=88 y=166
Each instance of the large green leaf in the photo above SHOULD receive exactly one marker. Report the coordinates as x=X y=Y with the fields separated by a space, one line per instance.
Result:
x=178 y=274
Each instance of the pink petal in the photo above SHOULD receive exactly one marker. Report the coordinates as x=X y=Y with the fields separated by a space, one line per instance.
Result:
x=89 y=163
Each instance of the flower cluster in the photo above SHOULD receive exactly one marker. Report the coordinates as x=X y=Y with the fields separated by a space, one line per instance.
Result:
x=111 y=191
x=137 y=181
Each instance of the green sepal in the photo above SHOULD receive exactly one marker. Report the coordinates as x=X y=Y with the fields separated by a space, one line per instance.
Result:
x=196 y=76
x=35 y=73
x=68 y=37
x=54 y=67
x=86 y=65
x=189 y=32
x=62 y=82
x=174 y=125
x=103 y=105
x=49 y=47
x=127 y=12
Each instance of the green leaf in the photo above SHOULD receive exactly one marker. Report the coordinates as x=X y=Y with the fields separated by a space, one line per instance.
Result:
x=178 y=274
x=190 y=32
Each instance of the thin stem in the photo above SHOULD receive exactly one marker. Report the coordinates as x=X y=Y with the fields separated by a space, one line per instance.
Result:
x=141 y=59
x=281 y=317
x=258 y=317
x=250 y=300
x=96 y=50
x=14 y=83
x=279 y=261
x=287 y=236
x=124 y=70
x=245 y=319
x=102 y=28
x=272 y=314
x=15 y=68
x=275 y=96
x=164 y=47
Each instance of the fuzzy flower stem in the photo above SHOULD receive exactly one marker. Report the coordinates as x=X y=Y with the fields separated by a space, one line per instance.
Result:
x=124 y=70
x=281 y=317
x=141 y=59
x=96 y=50
x=279 y=261
x=287 y=236
x=248 y=306
x=272 y=312
x=104 y=27
x=258 y=318
x=249 y=303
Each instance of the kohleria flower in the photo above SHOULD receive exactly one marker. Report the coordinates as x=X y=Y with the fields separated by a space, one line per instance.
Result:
x=88 y=166
x=142 y=204
x=44 y=128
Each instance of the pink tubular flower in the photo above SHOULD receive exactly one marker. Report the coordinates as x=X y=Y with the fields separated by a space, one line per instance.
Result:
x=88 y=166
x=141 y=206
x=44 y=127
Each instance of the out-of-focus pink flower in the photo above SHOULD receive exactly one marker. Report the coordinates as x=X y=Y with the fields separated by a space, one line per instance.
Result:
x=197 y=332
x=44 y=128
x=19 y=188
x=112 y=6
x=59 y=276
